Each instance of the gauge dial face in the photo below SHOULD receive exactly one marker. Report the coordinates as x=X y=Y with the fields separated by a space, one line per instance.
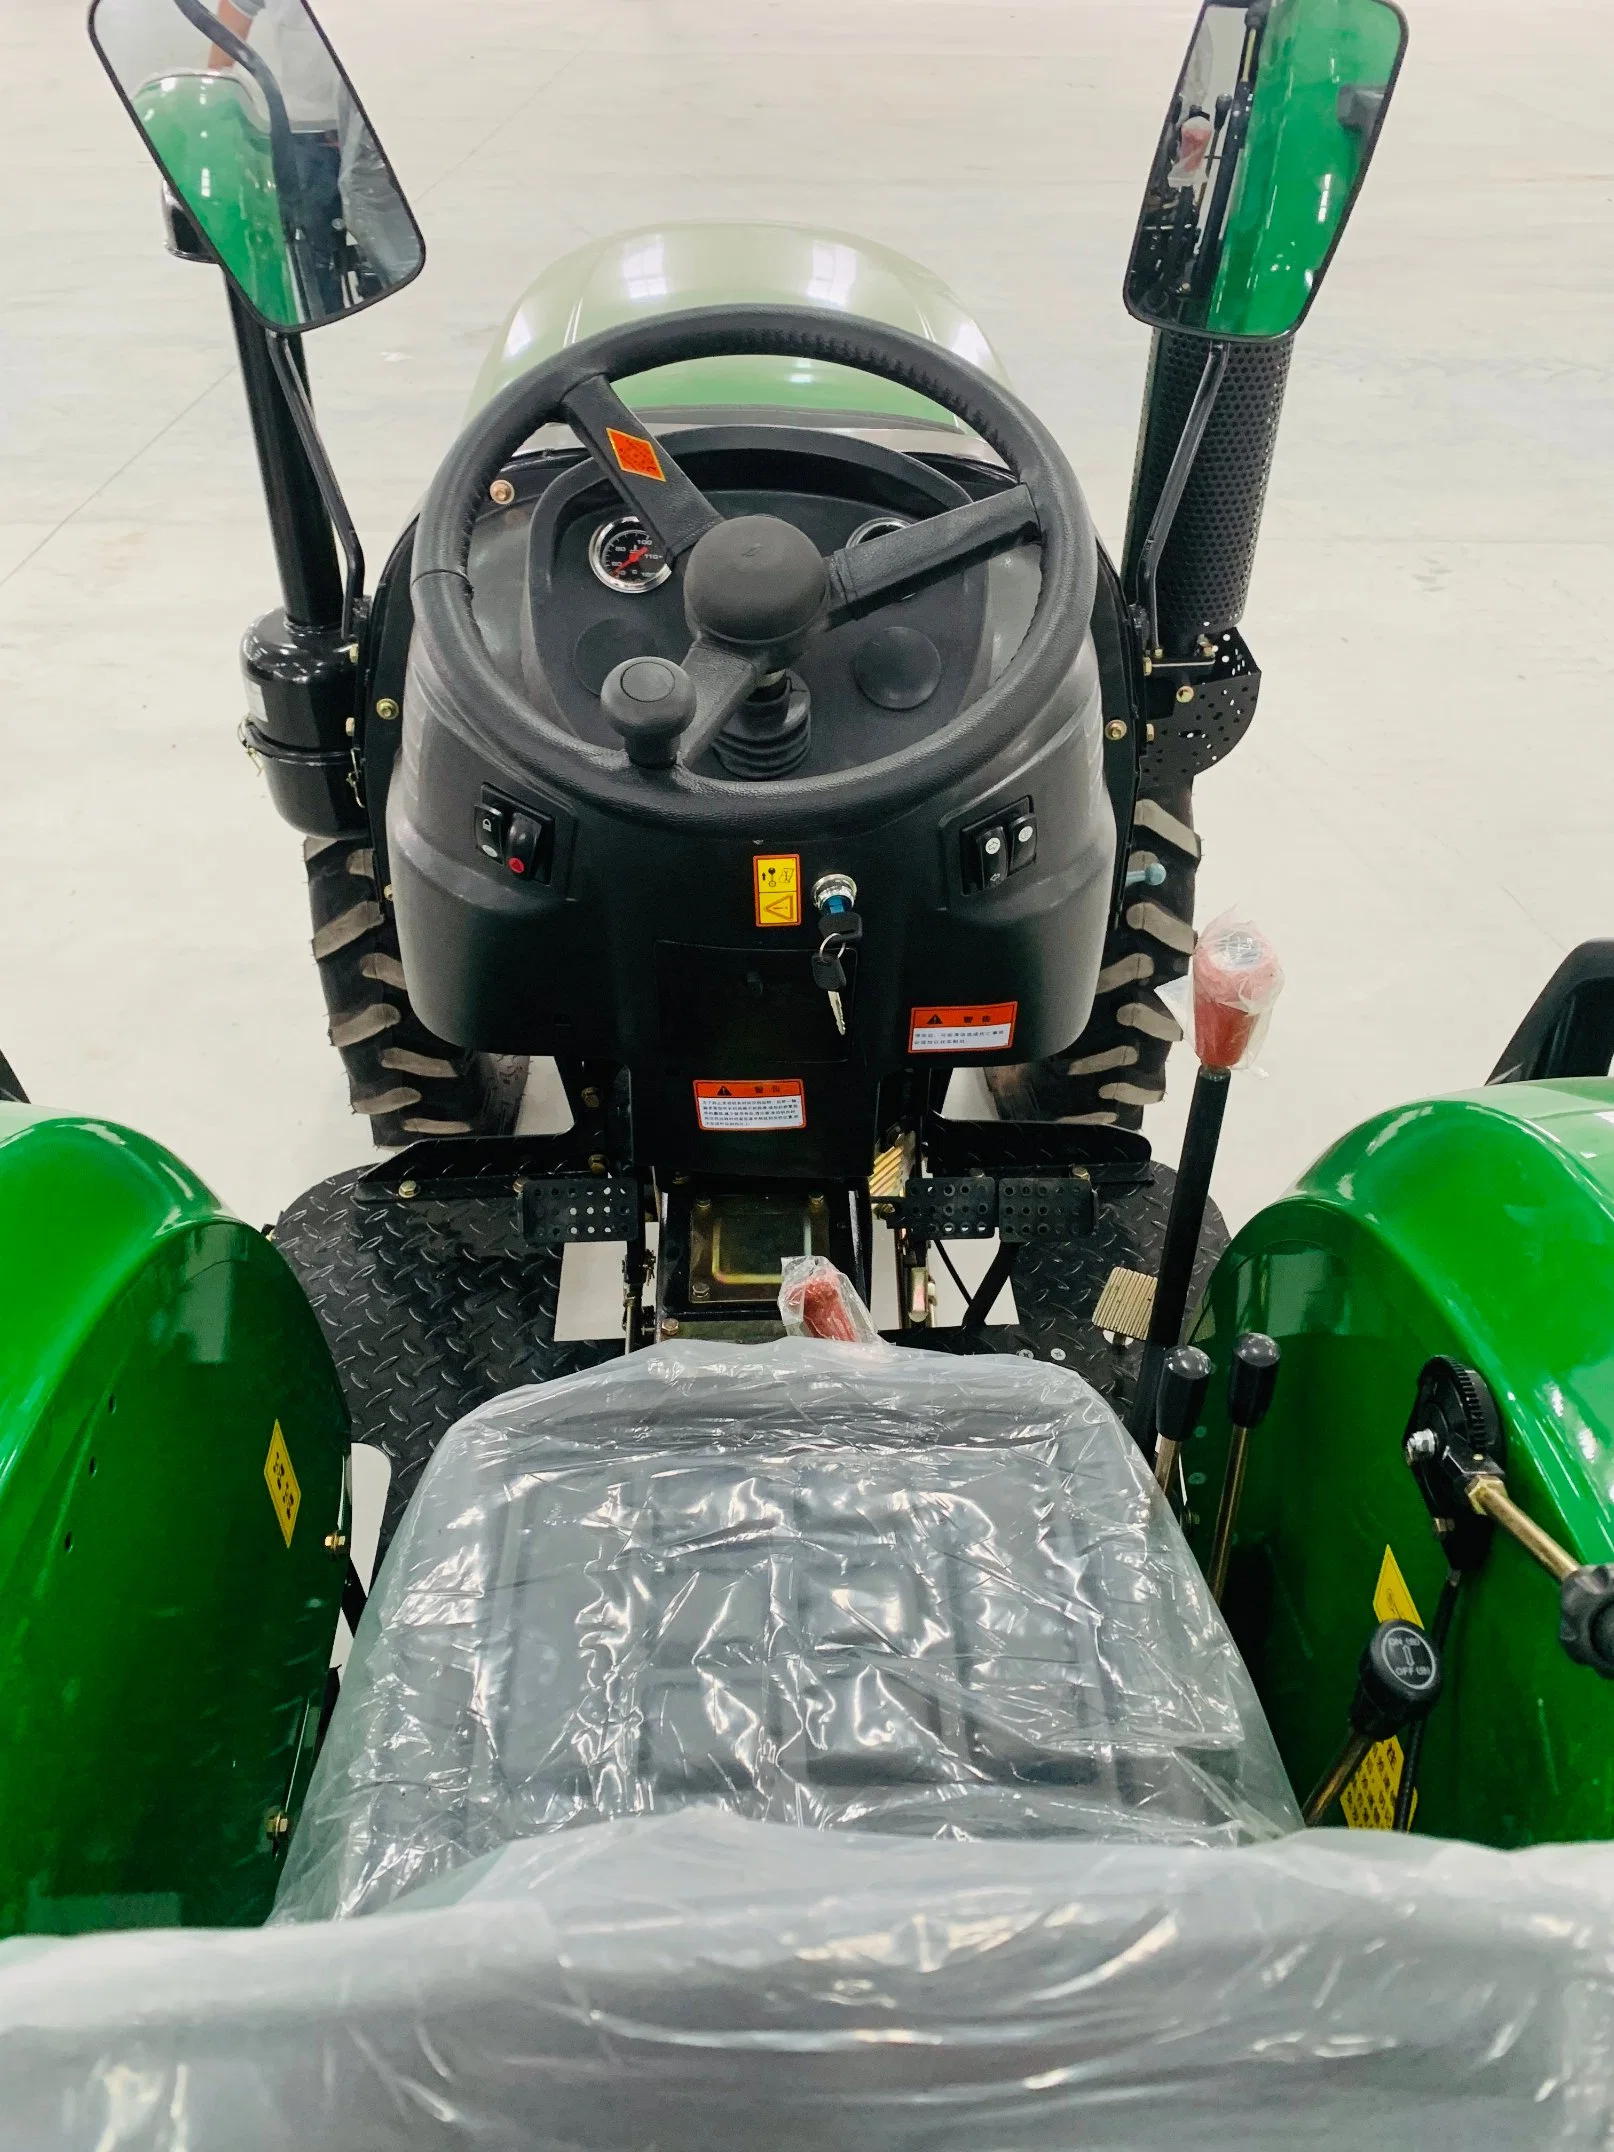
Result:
x=877 y=527
x=625 y=557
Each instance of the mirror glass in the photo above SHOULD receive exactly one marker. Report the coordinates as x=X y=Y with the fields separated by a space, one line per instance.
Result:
x=259 y=134
x=1268 y=135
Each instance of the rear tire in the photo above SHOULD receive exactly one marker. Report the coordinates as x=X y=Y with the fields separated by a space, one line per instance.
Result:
x=1118 y=1065
x=407 y=1082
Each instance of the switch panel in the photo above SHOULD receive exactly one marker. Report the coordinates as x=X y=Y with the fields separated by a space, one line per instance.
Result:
x=996 y=846
x=520 y=838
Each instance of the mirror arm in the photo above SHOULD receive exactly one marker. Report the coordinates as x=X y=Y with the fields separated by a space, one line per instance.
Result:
x=1145 y=597
x=305 y=545
x=284 y=353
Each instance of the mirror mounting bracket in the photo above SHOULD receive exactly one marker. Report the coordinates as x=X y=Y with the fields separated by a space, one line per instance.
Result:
x=1145 y=599
x=289 y=376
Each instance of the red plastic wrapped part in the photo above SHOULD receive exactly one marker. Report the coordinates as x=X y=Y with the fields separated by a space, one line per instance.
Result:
x=818 y=1301
x=1236 y=979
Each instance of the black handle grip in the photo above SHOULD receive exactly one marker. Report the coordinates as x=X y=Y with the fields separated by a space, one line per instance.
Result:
x=650 y=702
x=1397 y=1680
x=1252 y=1376
x=1184 y=1379
x=1586 y=1617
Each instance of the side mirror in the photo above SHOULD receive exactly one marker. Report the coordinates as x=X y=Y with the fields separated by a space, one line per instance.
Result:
x=259 y=135
x=1274 y=118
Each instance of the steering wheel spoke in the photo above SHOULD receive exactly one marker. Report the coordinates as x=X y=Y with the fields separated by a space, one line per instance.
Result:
x=673 y=508
x=865 y=576
x=722 y=679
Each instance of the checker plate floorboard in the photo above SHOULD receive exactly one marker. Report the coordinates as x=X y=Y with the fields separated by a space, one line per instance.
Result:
x=429 y=1308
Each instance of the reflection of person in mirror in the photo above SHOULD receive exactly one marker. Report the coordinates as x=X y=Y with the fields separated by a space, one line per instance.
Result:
x=358 y=237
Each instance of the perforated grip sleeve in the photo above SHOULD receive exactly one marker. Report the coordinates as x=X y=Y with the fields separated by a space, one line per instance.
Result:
x=1204 y=574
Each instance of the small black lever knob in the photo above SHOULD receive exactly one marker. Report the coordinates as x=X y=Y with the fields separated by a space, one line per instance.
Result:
x=1586 y=1617
x=1252 y=1376
x=1398 y=1680
x=1184 y=1378
x=649 y=701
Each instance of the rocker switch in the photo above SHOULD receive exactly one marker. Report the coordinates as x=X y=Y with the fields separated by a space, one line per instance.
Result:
x=490 y=821
x=523 y=844
x=991 y=856
x=997 y=845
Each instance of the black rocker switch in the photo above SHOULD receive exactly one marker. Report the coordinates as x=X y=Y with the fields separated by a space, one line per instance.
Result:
x=994 y=847
x=524 y=844
x=490 y=822
x=986 y=856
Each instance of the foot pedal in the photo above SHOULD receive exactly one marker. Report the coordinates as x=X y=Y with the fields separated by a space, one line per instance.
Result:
x=1126 y=1303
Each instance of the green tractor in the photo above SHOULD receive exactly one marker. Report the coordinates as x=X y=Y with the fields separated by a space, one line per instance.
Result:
x=752 y=722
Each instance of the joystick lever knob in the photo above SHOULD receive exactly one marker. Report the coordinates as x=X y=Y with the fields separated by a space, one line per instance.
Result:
x=1184 y=1378
x=650 y=702
x=1398 y=1682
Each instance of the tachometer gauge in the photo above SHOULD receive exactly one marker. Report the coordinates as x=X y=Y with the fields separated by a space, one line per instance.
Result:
x=625 y=557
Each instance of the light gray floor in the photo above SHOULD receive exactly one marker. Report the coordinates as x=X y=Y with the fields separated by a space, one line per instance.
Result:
x=1419 y=817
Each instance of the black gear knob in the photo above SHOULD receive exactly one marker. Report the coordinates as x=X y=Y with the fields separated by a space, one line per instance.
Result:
x=649 y=701
x=1252 y=1376
x=1184 y=1378
x=1398 y=1680
x=1586 y=1617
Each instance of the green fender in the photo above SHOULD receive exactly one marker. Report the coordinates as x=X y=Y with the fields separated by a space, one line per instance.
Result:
x=166 y=1616
x=671 y=266
x=1300 y=165
x=216 y=153
x=1481 y=1226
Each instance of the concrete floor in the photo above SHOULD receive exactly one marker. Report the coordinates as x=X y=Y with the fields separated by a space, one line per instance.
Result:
x=1419 y=817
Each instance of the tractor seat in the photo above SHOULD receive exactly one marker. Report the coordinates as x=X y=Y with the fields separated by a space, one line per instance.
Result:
x=834 y=1586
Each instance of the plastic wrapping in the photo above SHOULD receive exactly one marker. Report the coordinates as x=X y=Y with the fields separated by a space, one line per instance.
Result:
x=818 y=1301
x=866 y=1588
x=698 y=1983
x=1225 y=1005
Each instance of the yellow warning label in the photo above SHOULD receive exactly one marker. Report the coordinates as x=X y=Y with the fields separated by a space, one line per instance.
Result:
x=281 y=1481
x=1368 y=1802
x=776 y=880
x=1391 y=1599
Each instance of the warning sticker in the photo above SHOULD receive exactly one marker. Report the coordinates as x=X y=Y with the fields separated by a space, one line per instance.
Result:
x=732 y=1104
x=281 y=1481
x=1368 y=1802
x=776 y=884
x=975 y=1027
x=635 y=455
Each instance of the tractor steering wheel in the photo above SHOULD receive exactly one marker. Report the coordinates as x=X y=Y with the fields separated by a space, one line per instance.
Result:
x=756 y=589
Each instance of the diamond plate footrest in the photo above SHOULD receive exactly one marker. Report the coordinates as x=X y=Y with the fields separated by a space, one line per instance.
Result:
x=430 y=1305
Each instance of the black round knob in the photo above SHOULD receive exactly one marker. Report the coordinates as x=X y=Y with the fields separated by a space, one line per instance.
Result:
x=1252 y=1377
x=649 y=701
x=897 y=667
x=755 y=583
x=1586 y=1617
x=1184 y=1379
x=1397 y=1680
